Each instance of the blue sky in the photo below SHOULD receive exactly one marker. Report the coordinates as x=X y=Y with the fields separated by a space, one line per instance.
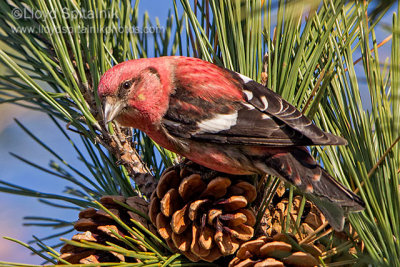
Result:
x=13 y=139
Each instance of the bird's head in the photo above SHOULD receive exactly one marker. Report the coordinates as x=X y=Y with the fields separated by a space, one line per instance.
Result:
x=135 y=92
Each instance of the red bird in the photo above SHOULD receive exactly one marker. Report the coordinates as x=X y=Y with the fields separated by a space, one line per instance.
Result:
x=225 y=121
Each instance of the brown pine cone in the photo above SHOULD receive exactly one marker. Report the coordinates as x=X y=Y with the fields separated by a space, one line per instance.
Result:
x=202 y=216
x=96 y=226
x=311 y=220
x=279 y=251
x=276 y=216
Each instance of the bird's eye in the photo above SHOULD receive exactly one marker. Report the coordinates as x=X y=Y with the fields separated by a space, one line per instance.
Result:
x=126 y=84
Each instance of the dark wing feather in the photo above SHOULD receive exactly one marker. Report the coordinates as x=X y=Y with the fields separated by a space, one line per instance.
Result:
x=260 y=117
x=269 y=102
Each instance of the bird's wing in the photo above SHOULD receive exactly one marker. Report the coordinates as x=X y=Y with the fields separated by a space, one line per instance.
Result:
x=259 y=116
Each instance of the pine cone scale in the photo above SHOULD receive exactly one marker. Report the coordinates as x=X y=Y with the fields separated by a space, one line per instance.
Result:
x=191 y=187
x=217 y=188
x=196 y=247
x=163 y=226
x=206 y=236
x=179 y=221
x=195 y=206
x=170 y=202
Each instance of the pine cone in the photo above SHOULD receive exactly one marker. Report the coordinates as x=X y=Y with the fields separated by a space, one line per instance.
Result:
x=311 y=220
x=97 y=226
x=202 y=216
x=278 y=251
x=276 y=216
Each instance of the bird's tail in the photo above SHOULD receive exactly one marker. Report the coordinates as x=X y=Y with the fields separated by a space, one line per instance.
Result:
x=333 y=199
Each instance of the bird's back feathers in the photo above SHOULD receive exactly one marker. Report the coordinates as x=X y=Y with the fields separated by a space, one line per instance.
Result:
x=246 y=114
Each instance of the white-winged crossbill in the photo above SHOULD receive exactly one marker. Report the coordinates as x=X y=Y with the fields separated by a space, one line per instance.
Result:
x=225 y=121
